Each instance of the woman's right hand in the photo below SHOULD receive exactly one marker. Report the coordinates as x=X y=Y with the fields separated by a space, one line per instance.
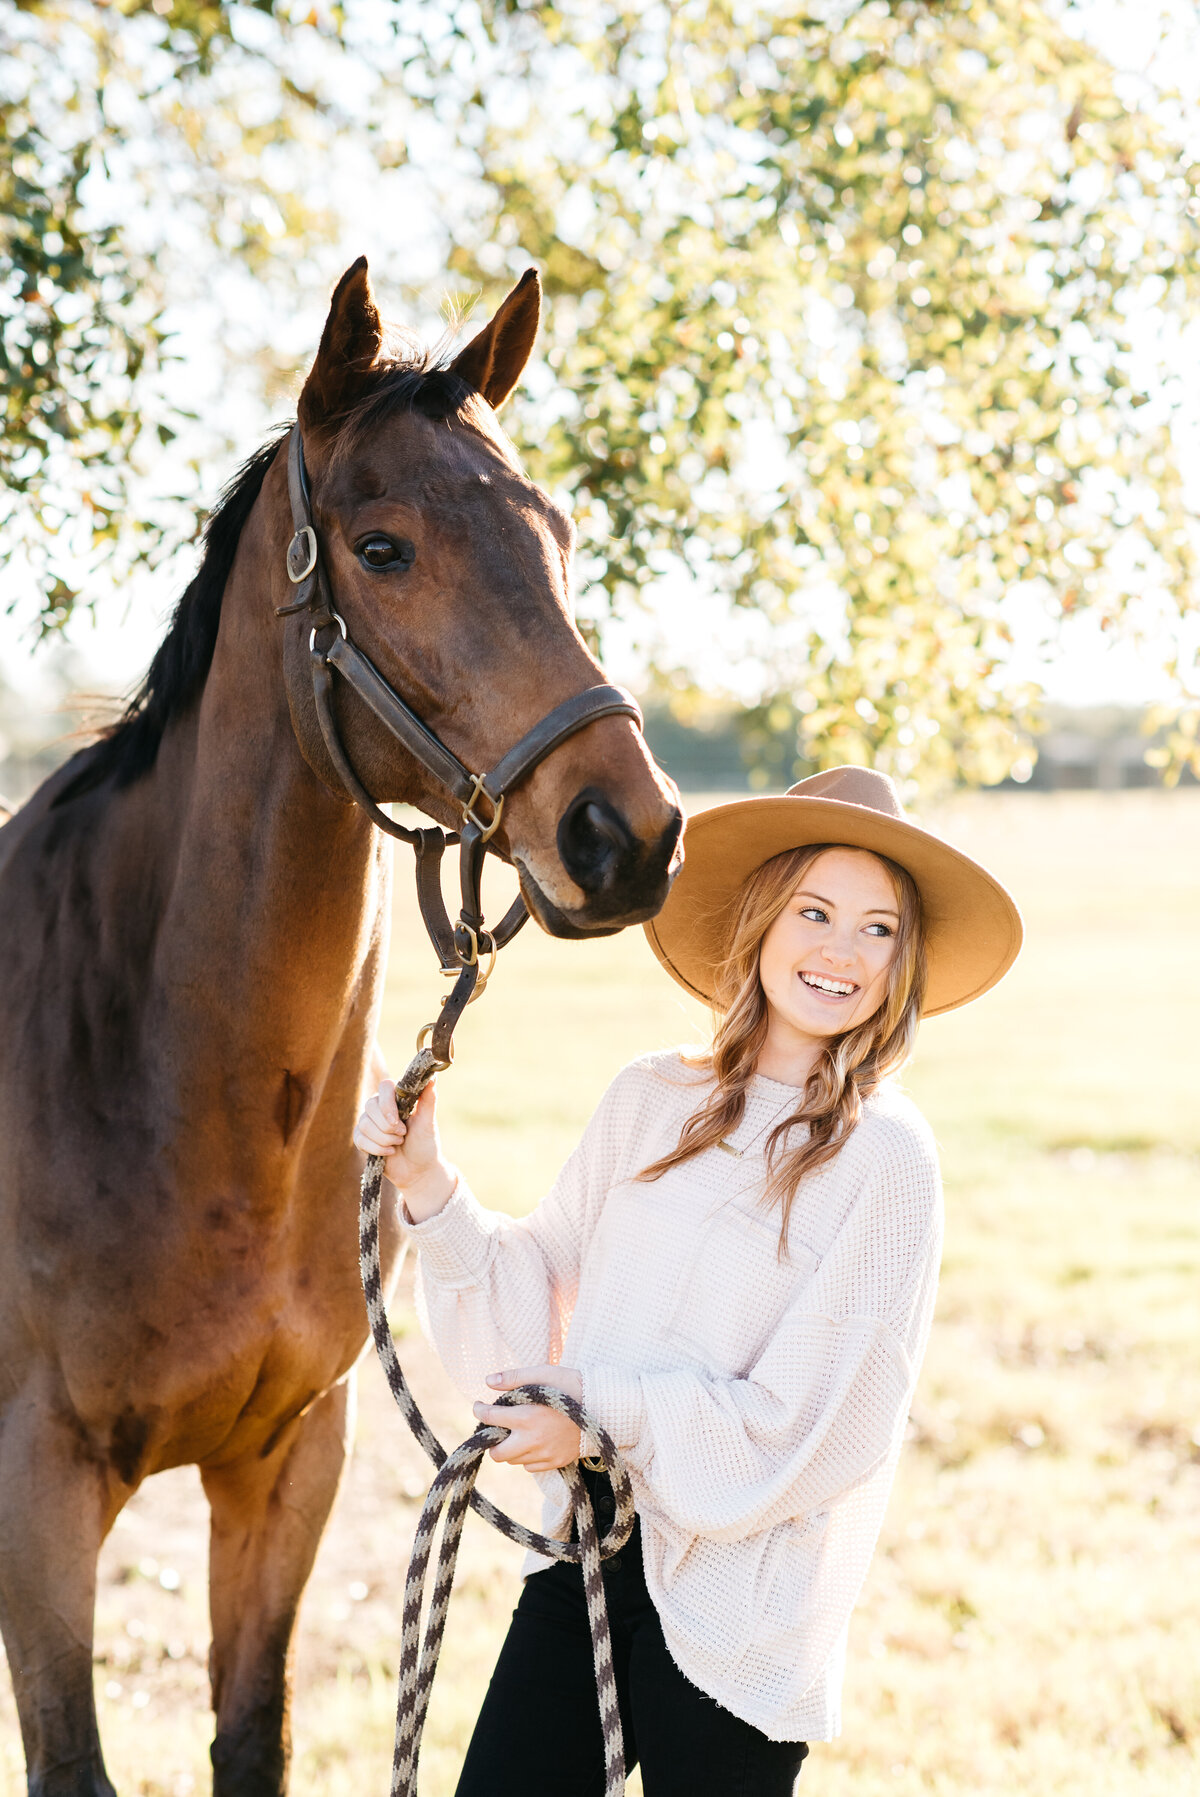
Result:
x=412 y=1151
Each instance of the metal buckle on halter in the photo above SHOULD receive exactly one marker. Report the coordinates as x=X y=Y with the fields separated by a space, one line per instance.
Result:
x=303 y=543
x=480 y=790
x=478 y=939
x=334 y=618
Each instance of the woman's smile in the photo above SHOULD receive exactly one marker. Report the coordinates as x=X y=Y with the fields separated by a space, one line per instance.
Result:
x=827 y=987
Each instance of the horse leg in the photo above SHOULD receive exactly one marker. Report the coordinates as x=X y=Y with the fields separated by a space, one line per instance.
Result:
x=267 y=1518
x=55 y=1510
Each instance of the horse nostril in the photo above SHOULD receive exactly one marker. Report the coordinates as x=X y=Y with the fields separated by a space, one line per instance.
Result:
x=594 y=841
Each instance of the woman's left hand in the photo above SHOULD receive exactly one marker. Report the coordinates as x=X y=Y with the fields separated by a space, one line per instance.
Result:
x=542 y=1439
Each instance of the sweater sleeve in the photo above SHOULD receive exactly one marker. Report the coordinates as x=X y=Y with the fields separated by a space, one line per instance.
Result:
x=825 y=1402
x=495 y=1291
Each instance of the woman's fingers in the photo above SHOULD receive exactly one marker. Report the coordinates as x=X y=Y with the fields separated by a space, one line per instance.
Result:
x=523 y=1375
x=503 y=1416
x=369 y=1141
x=389 y=1127
x=517 y=1419
x=375 y=1137
x=380 y=1130
x=385 y=1117
x=563 y=1378
x=539 y=1437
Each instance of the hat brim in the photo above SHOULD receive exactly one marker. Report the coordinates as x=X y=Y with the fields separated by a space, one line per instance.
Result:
x=973 y=929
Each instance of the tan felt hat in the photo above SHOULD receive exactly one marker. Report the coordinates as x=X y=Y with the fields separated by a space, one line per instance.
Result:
x=973 y=928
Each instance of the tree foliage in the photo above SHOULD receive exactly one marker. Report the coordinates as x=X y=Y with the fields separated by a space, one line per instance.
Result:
x=147 y=149
x=82 y=344
x=861 y=323
x=867 y=311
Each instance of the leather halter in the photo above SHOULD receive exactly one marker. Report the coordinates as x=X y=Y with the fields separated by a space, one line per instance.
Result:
x=459 y=946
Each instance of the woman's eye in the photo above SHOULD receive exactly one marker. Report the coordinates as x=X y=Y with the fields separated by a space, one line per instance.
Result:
x=378 y=551
x=879 y=929
x=815 y=914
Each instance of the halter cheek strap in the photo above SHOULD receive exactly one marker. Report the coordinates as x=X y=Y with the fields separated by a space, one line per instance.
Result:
x=480 y=797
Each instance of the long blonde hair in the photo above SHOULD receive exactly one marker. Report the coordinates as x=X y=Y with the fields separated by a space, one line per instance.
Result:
x=849 y=1067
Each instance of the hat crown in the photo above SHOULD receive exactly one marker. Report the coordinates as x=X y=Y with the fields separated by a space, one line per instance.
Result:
x=851 y=786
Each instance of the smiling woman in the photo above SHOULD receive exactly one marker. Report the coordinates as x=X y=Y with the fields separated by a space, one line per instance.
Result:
x=735 y=1273
x=821 y=988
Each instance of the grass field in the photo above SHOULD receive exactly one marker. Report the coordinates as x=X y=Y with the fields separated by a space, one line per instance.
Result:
x=1030 y=1623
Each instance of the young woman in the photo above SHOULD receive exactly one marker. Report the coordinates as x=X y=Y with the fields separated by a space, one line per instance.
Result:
x=735 y=1271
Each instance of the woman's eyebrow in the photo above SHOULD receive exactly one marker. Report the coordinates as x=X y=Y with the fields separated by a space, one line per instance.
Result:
x=875 y=911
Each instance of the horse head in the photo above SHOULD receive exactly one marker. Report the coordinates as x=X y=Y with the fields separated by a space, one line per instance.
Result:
x=452 y=572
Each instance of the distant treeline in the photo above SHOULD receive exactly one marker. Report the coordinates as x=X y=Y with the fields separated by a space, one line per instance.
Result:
x=725 y=750
x=1103 y=748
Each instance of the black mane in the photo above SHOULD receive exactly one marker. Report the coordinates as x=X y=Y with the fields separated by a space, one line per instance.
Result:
x=176 y=676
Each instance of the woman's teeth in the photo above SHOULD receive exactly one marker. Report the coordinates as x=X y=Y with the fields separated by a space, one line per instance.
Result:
x=838 y=988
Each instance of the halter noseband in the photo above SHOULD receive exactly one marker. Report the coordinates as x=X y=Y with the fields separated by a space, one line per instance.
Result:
x=459 y=946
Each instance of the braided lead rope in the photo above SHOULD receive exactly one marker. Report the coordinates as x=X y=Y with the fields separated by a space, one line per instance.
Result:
x=450 y=1493
x=453 y=1489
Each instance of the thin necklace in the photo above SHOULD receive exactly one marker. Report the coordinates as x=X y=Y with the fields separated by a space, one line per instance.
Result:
x=737 y=1153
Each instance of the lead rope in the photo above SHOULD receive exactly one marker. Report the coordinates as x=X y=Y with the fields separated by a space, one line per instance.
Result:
x=453 y=1492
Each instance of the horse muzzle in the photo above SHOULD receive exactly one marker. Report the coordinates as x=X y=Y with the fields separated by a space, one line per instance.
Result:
x=622 y=880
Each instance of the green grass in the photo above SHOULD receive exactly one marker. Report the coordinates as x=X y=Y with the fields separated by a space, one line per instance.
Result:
x=1029 y=1624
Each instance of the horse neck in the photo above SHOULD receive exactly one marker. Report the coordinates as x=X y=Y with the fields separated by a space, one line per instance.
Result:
x=279 y=893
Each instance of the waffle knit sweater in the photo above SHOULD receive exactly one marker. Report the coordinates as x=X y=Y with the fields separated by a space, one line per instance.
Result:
x=759 y=1403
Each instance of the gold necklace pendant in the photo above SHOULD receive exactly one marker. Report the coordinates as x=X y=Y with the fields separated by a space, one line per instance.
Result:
x=739 y=1153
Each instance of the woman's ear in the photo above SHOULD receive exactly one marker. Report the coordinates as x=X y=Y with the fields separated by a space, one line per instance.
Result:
x=494 y=361
x=350 y=346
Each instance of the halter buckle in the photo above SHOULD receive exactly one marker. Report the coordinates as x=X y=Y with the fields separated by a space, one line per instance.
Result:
x=302 y=554
x=479 y=939
x=478 y=791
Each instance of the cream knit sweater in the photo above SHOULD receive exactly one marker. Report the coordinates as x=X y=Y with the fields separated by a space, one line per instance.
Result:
x=760 y=1403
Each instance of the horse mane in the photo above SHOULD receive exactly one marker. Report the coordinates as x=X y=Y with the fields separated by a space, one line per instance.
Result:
x=127 y=749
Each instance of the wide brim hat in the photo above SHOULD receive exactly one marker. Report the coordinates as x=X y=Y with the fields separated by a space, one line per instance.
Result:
x=973 y=929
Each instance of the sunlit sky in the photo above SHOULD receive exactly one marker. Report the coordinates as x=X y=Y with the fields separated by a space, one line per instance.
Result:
x=111 y=651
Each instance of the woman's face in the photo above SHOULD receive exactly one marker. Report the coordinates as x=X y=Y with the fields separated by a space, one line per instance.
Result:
x=824 y=961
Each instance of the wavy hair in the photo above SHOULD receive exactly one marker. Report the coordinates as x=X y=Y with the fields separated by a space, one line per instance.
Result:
x=849 y=1067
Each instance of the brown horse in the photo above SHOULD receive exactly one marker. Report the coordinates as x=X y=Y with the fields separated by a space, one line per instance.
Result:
x=194 y=920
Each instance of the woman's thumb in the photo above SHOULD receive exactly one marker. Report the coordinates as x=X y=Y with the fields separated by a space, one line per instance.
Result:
x=425 y=1110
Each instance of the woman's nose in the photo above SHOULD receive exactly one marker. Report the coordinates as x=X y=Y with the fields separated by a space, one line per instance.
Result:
x=839 y=954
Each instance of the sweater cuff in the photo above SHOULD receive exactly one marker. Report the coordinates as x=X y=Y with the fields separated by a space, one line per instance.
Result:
x=455 y=1245
x=613 y=1395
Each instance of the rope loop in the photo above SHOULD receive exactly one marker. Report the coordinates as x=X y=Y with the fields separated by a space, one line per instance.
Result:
x=453 y=1493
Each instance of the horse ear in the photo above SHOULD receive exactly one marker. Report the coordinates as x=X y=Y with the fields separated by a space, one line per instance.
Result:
x=492 y=363
x=350 y=346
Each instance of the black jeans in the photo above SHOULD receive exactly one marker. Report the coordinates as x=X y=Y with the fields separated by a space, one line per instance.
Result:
x=538 y=1733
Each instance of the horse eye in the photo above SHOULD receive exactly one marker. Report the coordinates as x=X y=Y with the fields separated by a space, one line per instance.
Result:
x=380 y=552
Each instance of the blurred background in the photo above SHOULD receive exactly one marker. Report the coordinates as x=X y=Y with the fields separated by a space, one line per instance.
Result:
x=868 y=374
